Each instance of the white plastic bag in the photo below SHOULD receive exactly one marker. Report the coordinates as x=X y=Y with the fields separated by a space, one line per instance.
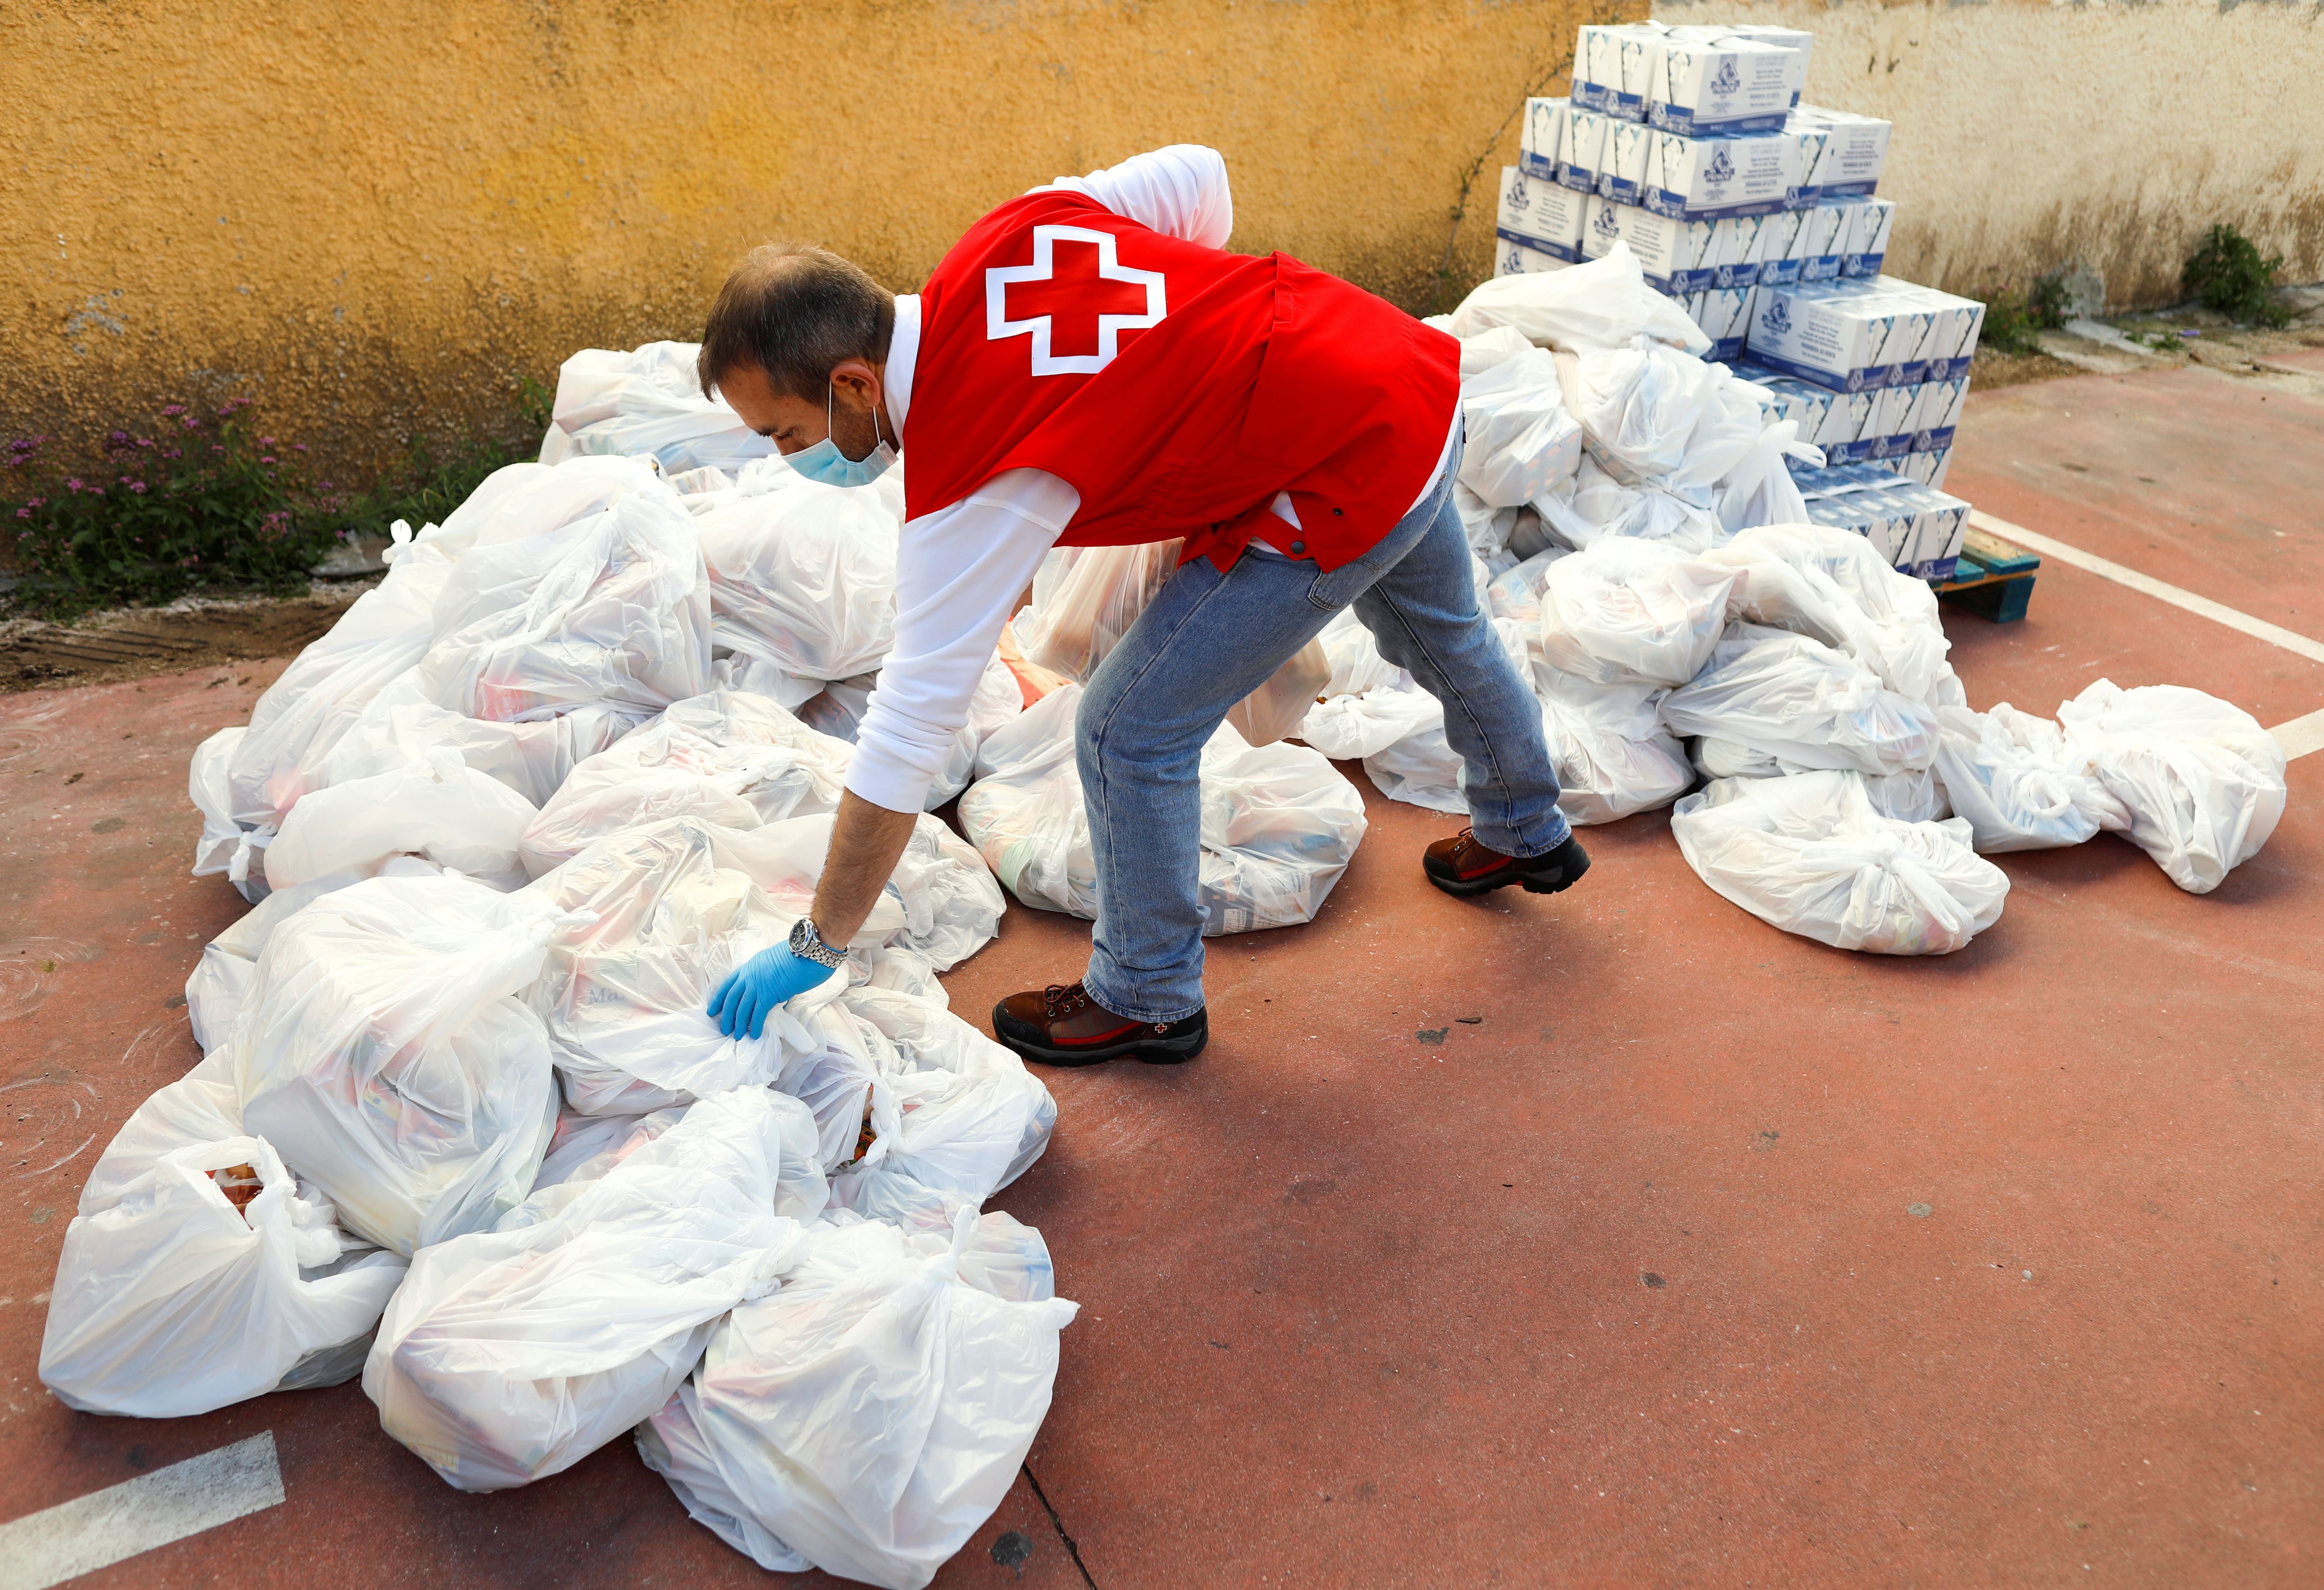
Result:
x=803 y=575
x=1612 y=755
x=2012 y=777
x=2202 y=783
x=169 y=1301
x=508 y=1356
x=220 y=981
x=1085 y=600
x=611 y=610
x=213 y=796
x=313 y=702
x=1279 y=823
x=728 y=757
x=1520 y=441
x=674 y=906
x=440 y=809
x=646 y=401
x=401 y=726
x=998 y=698
x=1806 y=853
x=1829 y=584
x=1603 y=304
x=381 y=1049
x=1631 y=612
x=868 y=1417
x=1795 y=698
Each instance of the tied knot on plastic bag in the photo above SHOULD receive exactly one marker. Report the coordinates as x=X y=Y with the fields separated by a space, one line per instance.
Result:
x=399 y=542
x=249 y=843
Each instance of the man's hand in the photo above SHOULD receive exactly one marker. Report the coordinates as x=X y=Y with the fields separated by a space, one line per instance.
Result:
x=757 y=985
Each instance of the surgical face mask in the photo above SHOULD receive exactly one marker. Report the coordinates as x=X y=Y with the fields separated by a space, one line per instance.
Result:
x=826 y=463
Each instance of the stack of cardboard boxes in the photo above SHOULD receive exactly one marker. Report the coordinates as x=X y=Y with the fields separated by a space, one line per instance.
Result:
x=1758 y=212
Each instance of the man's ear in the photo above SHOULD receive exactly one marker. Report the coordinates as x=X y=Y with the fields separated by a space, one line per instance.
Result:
x=856 y=385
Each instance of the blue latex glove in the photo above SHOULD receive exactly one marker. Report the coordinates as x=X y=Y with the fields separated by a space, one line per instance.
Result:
x=757 y=985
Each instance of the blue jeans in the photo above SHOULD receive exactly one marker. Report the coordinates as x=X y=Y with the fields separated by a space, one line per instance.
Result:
x=1209 y=640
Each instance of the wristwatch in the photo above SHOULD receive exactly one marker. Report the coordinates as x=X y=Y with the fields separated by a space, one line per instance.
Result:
x=808 y=945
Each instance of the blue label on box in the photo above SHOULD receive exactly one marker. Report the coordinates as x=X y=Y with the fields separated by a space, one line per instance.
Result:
x=1933 y=440
x=1778 y=273
x=1884 y=447
x=1954 y=370
x=1662 y=202
x=1628 y=108
x=1860 y=264
x=1850 y=190
x=1938 y=571
x=1846 y=452
x=1912 y=373
x=1620 y=189
x=1820 y=267
x=1802 y=198
x=1744 y=276
x=1680 y=118
x=1726 y=350
x=1556 y=251
x=1589 y=95
x=1856 y=381
x=1537 y=165
x=1580 y=179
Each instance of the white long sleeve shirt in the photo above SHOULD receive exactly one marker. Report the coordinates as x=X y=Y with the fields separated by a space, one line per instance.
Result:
x=959 y=569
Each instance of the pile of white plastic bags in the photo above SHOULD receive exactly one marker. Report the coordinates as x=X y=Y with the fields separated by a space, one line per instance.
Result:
x=464 y=1128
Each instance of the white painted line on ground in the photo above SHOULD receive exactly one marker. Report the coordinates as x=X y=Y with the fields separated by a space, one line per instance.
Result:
x=105 y=1527
x=2301 y=735
x=2298 y=737
x=2217 y=611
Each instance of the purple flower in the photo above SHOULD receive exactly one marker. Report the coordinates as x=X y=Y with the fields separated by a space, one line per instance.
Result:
x=192 y=423
x=298 y=446
x=323 y=485
x=174 y=409
x=24 y=512
x=97 y=491
x=138 y=487
x=73 y=485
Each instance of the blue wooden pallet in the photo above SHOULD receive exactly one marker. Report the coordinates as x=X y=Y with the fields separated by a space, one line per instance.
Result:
x=1994 y=578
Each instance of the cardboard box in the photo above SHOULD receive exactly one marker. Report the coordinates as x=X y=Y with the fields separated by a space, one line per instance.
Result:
x=1867 y=245
x=1735 y=246
x=1807 y=140
x=1676 y=255
x=1798 y=40
x=1938 y=414
x=1583 y=154
x=1734 y=85
x=1890 y=428
x=1545 y=217
x=1610 y=65
x=1779 y=246
x=1515 y=259
x=1844 y=433
x=1722 y=315
x=1825 y=333
x=1698 y=178
x=1540 y=142
x=1623 y=176
x=1825 y=227
x=1854 y=147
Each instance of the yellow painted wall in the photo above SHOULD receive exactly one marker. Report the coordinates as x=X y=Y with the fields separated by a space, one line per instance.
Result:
x=2030 y=133
x=373 y=217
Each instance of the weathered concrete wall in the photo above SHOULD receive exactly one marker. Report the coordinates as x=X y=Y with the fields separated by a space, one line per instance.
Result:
x=2030 y=133
x=375 y=218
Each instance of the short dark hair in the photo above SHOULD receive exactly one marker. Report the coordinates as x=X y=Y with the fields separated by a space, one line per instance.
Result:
x=796 y=312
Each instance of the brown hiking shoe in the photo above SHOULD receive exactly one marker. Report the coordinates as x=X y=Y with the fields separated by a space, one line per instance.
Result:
x=1062 y=1025
x=1461 y=866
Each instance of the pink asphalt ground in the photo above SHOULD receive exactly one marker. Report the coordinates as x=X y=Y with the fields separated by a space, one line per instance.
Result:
x=1691 y=1254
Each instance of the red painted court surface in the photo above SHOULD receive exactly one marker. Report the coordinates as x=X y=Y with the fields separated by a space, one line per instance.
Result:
x=1693 y=1253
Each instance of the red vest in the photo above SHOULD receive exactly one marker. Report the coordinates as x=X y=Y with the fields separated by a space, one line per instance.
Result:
x=1176 y=387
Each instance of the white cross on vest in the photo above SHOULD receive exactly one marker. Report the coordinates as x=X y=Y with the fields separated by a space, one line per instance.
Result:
x=1071 y=301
